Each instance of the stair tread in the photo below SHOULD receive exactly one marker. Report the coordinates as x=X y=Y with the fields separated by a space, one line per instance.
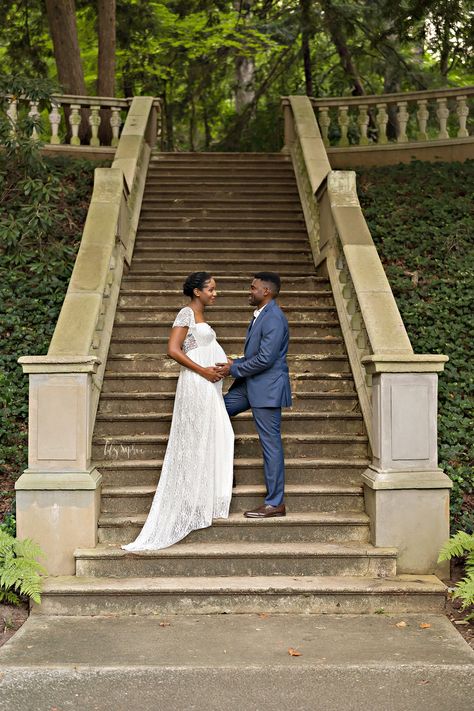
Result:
x=165 y=395
x=286 y=415
x=243 y=490
x=240 y=462
x=237 y=519
x=242 y=548
x=292 y=437
x=71 y=584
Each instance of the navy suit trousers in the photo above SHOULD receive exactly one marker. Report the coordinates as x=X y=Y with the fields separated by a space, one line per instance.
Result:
x=268 y=423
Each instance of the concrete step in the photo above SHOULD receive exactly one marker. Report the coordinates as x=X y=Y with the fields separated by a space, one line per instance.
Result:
x=119 y=402
x=241 y=209
x=219 y=179
x=167 y=267
x=219 y=314
x=246 y=445
x=238 y=559
x=258 y=232
x=223 y=167
x=221 y=191
x=215 y=157
x=298 y=344
x=299 y=498
x=290 y=283
x=117 y=423
x=294 y=527
x=308 y=370
x=150 y=327
x=147 y=241
x=119 y=472
x=77 y=595
x=174 y=298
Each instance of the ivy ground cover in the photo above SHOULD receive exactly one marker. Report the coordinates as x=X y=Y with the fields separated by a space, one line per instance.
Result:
x=421 y=217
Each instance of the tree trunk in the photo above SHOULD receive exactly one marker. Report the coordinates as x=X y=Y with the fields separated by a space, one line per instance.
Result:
x=62 y=26
x=333 y=23
x=305 y=6
x=244 y=66
x=106 y=62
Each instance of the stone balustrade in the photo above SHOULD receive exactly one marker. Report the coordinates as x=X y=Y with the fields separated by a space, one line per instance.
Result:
x=407 y=496
x=405 y=117
x=58 y=496
x=68 y=117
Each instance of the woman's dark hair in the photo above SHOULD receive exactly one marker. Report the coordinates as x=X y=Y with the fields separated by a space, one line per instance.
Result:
x=196 y=280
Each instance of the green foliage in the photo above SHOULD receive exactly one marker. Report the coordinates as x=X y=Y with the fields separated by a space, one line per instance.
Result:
x=421 y=217
x=43 y=203
x=20 y=572
x=462 y=544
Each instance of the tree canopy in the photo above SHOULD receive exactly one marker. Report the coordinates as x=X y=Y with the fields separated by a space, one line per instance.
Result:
x=221 y=66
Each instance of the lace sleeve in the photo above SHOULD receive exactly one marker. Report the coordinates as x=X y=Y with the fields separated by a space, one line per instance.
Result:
x=184 y=317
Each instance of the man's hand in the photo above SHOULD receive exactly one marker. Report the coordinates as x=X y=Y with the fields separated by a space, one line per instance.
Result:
x=224 y=368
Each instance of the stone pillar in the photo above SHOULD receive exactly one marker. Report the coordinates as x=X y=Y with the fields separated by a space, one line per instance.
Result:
x=58 y=496
x=406 y=494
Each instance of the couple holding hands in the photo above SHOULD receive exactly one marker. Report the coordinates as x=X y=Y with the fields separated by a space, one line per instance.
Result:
x=197 y=473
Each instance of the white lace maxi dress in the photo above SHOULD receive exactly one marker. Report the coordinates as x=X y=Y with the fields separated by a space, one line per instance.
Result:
x=196 y=478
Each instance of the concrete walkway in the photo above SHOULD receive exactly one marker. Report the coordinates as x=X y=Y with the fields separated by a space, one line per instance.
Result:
x=231 y=662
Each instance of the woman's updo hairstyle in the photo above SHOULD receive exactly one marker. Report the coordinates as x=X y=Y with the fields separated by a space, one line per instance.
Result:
x=196 y=280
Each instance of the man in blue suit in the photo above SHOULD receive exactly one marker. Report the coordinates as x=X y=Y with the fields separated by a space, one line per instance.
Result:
x=262 y=383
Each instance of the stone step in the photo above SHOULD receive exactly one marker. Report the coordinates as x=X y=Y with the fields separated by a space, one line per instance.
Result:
x=238 y=559
x=149 y=402
x=231 y=344
x=147 y=241
x=167 y=267
x=299 y=498
x=221 y=191
x=241 y=209
x=250 y=203
x=218 y=314
x=246 y=445
x=174 y=298
x=226 y=168
x=117 y=423
x=235 y=282
x=311 y=371
x=157 y=253
x=332 y=472
x=150 y=327
x=214 y=157
x=78 y=595
x=226 y=231
x=221 y=179
x=294 y=527
x=225 y=223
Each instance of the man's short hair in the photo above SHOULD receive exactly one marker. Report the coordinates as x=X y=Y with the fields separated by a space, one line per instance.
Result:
x=272 y=279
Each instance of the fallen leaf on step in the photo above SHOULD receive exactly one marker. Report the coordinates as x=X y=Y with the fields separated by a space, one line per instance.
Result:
x=401 y=624
x=264 y=615
x=294 y=652
x=422 y=682
x=165 y=624
x=424 y=625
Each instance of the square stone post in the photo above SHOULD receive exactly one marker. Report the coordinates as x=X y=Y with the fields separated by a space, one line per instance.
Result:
x=406 y=494
x=58 y=496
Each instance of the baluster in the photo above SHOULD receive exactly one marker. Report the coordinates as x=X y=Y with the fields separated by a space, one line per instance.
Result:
x=462 y=112
x=55 y=120
x=343 y=119
x=363 y=123
x=12 y=113
x=94 y=123
x=115 y=122
x=75 y=121
x=403 y=117
x=34 y=114
x=324 y=123
x=422 y=115
x=442 y=112
x=381 y=121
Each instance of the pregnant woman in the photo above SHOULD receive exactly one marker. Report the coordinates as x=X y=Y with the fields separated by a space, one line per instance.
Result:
x=196 y=477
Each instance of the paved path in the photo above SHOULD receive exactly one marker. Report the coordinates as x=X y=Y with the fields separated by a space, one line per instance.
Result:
x=230 y=662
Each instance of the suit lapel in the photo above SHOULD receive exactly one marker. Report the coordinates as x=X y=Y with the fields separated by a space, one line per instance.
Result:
x=255 y=327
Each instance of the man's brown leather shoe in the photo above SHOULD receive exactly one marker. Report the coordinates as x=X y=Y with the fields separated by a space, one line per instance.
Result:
x=266 y=511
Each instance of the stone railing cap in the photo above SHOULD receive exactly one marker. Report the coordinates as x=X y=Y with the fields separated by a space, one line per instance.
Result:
x=404 y=363
x=59 y=364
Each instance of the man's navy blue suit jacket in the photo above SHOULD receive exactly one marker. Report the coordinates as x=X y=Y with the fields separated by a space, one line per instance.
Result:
x=264 y=365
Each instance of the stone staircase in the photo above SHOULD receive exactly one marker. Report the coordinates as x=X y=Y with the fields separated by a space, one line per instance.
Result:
x=233 y=214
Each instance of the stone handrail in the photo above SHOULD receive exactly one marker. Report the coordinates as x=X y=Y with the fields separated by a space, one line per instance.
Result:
x=433 y=115
x=397 y=389
x=65 y=384
x=68 y=111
